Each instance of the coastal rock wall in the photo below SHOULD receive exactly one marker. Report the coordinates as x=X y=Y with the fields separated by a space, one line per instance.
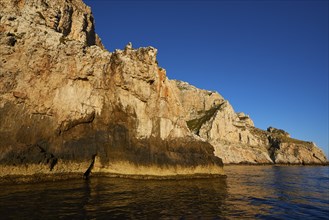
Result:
x=67 y=104
x=234 y=136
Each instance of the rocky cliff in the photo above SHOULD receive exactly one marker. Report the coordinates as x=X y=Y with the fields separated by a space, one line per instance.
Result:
x=234 y=136
x=68 y=105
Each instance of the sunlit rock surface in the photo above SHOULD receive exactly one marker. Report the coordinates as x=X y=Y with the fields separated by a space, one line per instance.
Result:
x=67 y=105
x=234 y=136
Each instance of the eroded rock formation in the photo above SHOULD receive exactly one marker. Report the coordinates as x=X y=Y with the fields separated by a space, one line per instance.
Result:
x=234 y=136
x=64 y=99
x=68 y=105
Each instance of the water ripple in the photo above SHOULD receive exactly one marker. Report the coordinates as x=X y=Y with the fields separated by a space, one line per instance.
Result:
x=264 y=192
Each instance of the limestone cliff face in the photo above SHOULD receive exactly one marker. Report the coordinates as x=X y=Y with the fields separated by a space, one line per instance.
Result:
x=234 y=136
x=66 y=103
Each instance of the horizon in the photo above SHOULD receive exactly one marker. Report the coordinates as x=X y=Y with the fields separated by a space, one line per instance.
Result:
x=269 y=59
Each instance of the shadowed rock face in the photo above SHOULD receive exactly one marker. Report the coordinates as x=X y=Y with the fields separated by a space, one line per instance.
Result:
x=67 y=105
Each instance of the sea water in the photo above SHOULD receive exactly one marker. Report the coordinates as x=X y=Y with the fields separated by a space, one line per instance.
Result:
x=247 y=192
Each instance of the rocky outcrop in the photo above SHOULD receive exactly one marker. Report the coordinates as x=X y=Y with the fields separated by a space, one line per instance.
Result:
x=286 y=150
x=65 y=102
x=69 y=106
x=234 y=136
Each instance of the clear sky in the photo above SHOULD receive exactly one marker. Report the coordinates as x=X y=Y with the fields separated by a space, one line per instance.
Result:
x=268 y=58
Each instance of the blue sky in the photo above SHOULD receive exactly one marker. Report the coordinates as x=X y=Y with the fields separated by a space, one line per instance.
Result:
x=268 y=58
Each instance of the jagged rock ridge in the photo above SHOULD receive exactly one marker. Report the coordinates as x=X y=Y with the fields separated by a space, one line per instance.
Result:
x=67 y=103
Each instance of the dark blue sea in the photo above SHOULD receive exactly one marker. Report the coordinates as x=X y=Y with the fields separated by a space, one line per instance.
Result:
x=248 y=192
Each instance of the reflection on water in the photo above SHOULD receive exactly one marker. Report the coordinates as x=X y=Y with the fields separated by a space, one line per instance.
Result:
x=279 y=191
x=117 y=198
x=247 y=192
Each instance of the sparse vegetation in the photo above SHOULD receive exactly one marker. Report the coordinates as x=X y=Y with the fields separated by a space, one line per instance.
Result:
x=285 y=139
x=277 y=131
x=281 y=137
x=181 y=88
x=195 y=124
